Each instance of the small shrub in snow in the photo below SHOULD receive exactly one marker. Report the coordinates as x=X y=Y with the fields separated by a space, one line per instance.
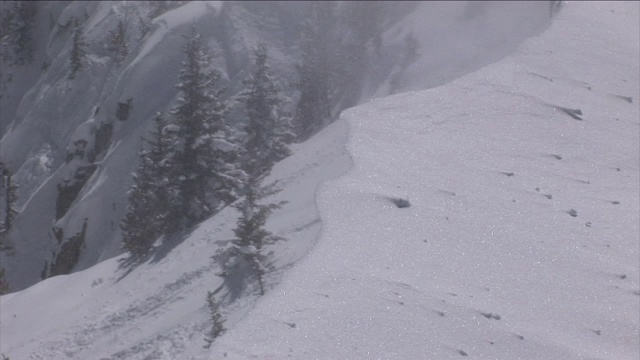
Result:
x=217 y=321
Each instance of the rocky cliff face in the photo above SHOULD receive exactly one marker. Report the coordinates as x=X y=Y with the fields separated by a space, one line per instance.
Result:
x=72 y=143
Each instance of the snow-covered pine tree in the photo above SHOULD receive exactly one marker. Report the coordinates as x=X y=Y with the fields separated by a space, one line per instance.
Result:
x=266 y=142
x=78 y=49
x=138 y=230
x=149 y=212
x=314 y=106
x=217 y=321
x=268 y=131
x=118 y=43
x=204 y=164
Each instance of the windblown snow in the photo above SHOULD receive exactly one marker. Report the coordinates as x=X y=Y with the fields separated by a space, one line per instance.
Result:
x=494 y=217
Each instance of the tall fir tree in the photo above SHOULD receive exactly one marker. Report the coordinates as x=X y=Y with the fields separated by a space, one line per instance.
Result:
x=268 y=130
x=78 y=50
x=118 y=43
x=314 y=105
x=10 y=197
x=149 y=211
x=266 y=142
x=205 y=157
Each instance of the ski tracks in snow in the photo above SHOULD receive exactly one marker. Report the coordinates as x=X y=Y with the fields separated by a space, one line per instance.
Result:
x=129 y=322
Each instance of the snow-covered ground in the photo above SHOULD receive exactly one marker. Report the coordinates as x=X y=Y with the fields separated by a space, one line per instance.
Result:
x=521 y=240
x=489 y=261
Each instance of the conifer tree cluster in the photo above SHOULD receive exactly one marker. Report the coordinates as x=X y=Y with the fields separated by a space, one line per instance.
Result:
x=8 y=207
x=267 y=133
x=9 y=197
x=78 y=49
x=188 y=170
x=205 y=157
x=16 y=32
x=118 y=43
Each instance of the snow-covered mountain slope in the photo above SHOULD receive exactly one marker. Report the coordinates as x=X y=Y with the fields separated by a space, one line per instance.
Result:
x=72 y=153
x=488 y=261
x=521 y=240
x=157 y=310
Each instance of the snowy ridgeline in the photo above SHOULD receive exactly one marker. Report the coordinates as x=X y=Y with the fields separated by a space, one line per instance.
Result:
x=495 y=217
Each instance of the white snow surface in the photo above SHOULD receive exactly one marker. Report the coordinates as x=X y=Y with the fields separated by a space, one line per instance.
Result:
x=521 y=240
x=486 y=263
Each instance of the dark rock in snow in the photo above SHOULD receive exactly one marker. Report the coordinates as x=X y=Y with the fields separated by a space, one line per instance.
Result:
x=401 y=203
x=574 y=113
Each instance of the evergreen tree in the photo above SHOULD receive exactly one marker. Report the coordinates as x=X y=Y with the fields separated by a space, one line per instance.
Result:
x=268 y=132
x=138 y=230
x=118 y=43
x=78 y=49
x=4 y=285
x=204 y=158
x=10 y=189
x=143 y=27
x=149 y=211
x=267 y=135
x=17 y=28
x=314 y=106
x=248 y=256
x=217 y=326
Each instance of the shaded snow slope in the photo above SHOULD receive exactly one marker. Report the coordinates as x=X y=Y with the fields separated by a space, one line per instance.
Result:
x=521 y=240
x=157 y=310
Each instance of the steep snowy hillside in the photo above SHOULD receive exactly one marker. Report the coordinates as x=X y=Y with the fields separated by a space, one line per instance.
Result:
x=72 y=143
x=521 y=240
x=157 y=310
